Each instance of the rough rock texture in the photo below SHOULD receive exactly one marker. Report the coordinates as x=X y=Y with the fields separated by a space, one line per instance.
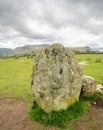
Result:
x=88 y=86
x=56 y=79
x=99 y=88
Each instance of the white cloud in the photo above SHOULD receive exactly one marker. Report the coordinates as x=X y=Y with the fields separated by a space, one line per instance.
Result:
x=70 y=22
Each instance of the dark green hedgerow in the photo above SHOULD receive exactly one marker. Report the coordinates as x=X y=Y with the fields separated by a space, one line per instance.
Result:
x=60 y=118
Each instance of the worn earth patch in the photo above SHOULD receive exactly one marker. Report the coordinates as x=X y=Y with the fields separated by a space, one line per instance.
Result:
x=13 y=116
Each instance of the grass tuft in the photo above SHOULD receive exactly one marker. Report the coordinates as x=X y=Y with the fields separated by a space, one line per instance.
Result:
x=58 y=118
x=93 y=97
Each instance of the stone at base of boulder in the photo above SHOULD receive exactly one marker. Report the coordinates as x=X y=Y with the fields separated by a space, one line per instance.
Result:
x=99 y=88
x=88 y=86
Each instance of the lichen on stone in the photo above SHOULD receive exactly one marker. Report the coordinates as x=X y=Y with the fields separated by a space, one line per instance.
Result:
x=56 y=78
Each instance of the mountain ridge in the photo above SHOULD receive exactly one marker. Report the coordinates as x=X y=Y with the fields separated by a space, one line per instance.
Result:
x=35 y=48
x=5 y=50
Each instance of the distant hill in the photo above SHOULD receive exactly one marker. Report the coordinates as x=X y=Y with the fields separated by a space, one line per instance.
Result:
x=82 y=49
x=5 y=51
x=99 y=49
x=35 y=48
x=29 y=48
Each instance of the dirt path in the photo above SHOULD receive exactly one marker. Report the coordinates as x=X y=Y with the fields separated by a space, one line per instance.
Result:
x=13 y=116
x=93 y=120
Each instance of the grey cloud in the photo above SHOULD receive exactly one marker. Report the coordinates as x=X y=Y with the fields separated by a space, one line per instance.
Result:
x=54 y=14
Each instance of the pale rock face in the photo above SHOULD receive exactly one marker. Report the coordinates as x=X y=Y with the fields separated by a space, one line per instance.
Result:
x=56 y=79
x=99 y=88
x=88 y=86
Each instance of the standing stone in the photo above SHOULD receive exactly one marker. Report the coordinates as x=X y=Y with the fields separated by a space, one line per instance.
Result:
x=88 y=86
x=88 y=58
x=56 y=78
x=98 y=59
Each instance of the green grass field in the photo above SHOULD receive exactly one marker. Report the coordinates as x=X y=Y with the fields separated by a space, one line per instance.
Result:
x=15 y=75
x=15 y=78
x=92 y=68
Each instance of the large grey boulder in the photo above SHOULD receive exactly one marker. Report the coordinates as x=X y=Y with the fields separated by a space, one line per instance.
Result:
x=56 y=78
x=88 y=86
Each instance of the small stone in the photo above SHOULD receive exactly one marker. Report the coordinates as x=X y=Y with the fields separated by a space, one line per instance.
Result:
x=94 y=103
x=98 y=59
x=88 y=86
x=99 y=88
x=88 y=58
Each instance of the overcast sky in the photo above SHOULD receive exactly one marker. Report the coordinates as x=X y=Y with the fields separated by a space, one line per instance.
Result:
x=69 y=22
